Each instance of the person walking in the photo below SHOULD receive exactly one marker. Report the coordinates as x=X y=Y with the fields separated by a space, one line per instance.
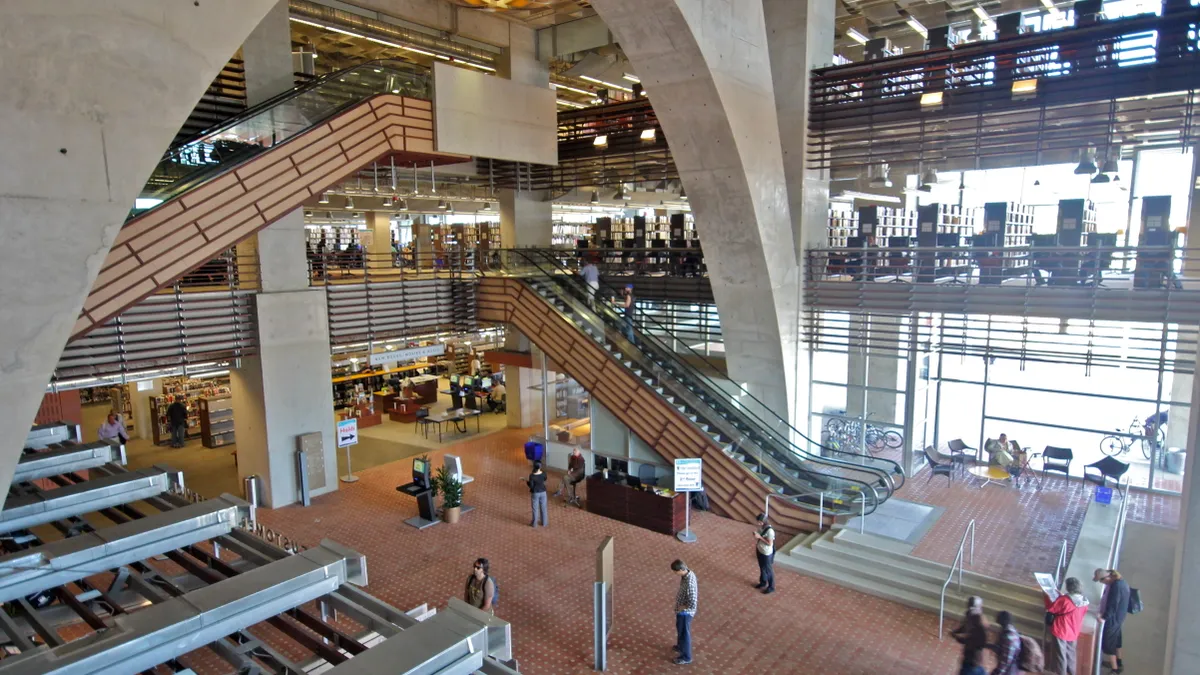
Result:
x=764 y=549
x=972 y=635
x=685 y=610
x=591 y=276
x=629 y=308
x=537 y=496
x=481 y=590
x=1114 y=604
x=1065 y=614
x=177 y=415
x=1007 y=647
x=113 y=429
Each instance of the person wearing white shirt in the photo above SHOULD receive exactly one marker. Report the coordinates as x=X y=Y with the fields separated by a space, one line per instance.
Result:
x=764 y=549
x=113 y=429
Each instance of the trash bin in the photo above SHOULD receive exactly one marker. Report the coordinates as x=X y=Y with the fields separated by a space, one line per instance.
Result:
x=1175 y=460
x=250 y=487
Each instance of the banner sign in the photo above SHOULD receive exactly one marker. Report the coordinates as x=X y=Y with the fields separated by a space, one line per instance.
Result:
x=408 y=354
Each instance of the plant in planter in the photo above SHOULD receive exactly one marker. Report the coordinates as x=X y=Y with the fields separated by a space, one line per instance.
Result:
x=452 y=491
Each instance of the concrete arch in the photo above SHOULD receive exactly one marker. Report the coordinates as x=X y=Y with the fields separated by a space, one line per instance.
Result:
x=94 y=93
x=705 y=67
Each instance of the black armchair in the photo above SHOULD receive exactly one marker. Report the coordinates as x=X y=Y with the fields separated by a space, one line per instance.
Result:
x=959 y=454
x=936 y=468
x=1109 y=467
x=1057 y=459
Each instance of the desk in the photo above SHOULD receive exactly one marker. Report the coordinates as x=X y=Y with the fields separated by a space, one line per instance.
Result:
x=456 y=415
x=636 y=507
x=404 y=409
x=366 y=418
x=990 y=473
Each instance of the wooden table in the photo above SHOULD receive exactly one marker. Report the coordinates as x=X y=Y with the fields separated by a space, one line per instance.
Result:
x=990 y=473
x=636 y=507
x=366 y=418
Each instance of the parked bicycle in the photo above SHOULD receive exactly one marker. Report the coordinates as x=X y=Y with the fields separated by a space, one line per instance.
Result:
x=1149 y=435
x=842 y=433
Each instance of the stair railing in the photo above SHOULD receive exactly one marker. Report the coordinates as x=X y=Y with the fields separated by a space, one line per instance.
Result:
x=792 y=498
x=1062 y=564
x=959 y=563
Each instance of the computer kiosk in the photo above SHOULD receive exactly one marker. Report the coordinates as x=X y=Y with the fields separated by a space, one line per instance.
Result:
x=422 y=490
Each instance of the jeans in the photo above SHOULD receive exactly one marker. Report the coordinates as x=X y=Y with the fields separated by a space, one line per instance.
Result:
x=537 y=502
x=972 y=670
x=766 y=571
x=178 y=435
x=683 y=635
x=629 y=327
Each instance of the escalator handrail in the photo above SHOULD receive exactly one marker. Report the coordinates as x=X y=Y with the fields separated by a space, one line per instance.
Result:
x=895 y=466
x=714 y=391
x=210 y=171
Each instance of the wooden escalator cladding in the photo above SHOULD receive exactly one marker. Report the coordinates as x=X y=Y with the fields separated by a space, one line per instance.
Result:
x=154 y=249
x=733 y=490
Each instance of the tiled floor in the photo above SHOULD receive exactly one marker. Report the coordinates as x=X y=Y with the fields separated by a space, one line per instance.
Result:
x=545 y=578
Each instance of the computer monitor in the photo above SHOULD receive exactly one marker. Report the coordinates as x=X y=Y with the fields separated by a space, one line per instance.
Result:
x=453 y=379
x=420 y=472
x=599 y=462
x=633 y=481
x=487 y=383
x=620 y=466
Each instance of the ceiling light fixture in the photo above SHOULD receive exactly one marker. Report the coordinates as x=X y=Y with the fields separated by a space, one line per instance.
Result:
x=450 y=208
x=324 y=198
x=981 y=13
x=929 y=179
x=387 y=202
x=1049 y=5
x=349 y=203
x=633 y=78
x=682 y=192
x=1023 y=88
x=570 y=104
x=606 y=83
x=442 y=204
x=1087 y=166
x=620 y=193
x=601 y=141
x=577 y=90
x=856 y=36
x=931 y=99
x=487 y=206
x=1101 y=178
x=649 y=134
x=403 y=204
x=1110 y=160
x=917 y=26
x=595 y=197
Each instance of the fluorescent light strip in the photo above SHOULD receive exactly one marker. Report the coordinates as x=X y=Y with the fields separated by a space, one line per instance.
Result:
x=916 y=25
x=577 y=90
x=856 y=36
x=607 y=84
x=571 y=104
x=390 y=44
x=981 y=13
x=633 y=78
x=307 y=23
x=478 y=65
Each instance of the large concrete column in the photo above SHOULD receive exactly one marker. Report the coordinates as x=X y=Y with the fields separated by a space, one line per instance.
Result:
x=95 y=93
x=525 y=216
x=1183 y=625
x=706 y=69
x=285 y=391
x=379 y=249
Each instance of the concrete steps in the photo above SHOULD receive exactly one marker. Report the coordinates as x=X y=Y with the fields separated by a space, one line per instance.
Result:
x=863 y=563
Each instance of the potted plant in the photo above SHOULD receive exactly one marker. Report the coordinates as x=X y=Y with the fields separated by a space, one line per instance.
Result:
x=451 y=489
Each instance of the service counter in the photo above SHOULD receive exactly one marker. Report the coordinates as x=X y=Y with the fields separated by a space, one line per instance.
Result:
x=635 y=506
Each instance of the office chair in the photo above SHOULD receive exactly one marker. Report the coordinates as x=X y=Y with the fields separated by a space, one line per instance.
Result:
x=421 y=420
x=1106 y=468
x=646 y=474
x=936 y=468
x=1057 y=459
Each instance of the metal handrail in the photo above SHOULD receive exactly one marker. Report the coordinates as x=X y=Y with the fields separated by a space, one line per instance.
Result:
x=958 y=564
x=1062 y=564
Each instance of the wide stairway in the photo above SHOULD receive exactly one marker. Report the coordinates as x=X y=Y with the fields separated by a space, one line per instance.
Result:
x=871 y=565
x=681 y=406
x=236 y=179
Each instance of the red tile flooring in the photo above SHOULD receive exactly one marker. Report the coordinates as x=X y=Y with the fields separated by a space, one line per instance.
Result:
x=545 y=578
x=1017 y=532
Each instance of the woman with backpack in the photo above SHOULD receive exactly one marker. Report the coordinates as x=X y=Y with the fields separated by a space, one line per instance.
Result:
x=481 y=589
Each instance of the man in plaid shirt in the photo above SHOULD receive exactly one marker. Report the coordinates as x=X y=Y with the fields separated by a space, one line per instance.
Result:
x=685 y=610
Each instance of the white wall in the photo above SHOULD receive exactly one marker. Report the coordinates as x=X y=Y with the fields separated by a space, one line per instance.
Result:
x=486 y=116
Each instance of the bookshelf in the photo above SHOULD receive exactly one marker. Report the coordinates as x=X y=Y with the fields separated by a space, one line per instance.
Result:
x=116 y=396
x=843 y=224
x=945 y=226
x=216 y=421
x=1007 y=226
x=191 y=391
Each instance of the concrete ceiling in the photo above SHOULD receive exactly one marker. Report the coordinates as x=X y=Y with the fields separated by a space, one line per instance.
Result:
x=889 y=18
x=532 y=13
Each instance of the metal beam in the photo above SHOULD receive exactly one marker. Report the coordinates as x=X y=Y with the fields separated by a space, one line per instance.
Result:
x=45 y=435
x=146 y=638
x=91 y=495
x=447 y=644
x=66 y=460
x=67 y=560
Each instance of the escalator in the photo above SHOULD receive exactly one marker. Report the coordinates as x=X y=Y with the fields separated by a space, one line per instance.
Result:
x=754 y=451
x=217 y=189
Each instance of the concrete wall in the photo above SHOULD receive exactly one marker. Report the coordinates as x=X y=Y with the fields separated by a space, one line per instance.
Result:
x=488 y=116
x=94 y=92
x=705 y=67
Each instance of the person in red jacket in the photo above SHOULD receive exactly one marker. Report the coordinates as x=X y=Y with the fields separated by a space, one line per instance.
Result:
x=1065 y=614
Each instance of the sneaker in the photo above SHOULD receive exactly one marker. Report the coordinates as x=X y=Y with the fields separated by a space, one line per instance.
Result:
x=768 y=591
x=759 y=587
x=675 y=649
x=681 y=661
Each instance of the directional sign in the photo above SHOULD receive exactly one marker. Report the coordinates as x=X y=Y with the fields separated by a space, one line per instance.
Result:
x=347 y=432
x=689 y=475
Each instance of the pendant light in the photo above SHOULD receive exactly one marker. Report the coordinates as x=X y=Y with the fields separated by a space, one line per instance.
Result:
x=1110 y=160
x=442 y=204
x=403 y=204
x=349 y=204
x=1101 y=178
x=620 y=194
x=324 y=198
x=1087 y=166
x=595 y=197
x=682 y=192
x=387 y=202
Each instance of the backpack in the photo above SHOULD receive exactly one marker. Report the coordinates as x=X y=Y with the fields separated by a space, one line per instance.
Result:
x=700 y=500
x=1135 y=602
x=495 y=587
x=1031 y=659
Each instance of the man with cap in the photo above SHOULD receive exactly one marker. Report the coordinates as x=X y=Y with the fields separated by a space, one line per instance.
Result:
x=764 y=546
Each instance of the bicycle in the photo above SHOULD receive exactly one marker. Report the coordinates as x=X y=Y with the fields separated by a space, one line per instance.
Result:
x=846 y=433
x=1150 y=436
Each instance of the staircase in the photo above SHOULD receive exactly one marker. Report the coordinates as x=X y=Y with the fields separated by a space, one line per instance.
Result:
x=864 y=563
x=679 y=411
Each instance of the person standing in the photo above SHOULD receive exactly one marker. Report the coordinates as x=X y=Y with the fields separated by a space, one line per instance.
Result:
x=537 y=496
x=591 y=276
x=1007 y=647
x=685 y=610
x=765 y=551
x=475 y=365
x=629 y=305
x=1114 y=604
x=1065 y=614
x=481 y=590
x=113 y=429
x=972 y=635
x=177 y=415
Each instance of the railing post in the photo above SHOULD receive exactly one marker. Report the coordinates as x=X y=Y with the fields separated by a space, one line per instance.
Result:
x=862 y=518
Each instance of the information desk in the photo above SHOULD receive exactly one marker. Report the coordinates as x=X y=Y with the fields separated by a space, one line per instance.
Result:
x=404 y=410
x=366 y=418
x=636 y=507
x=425 y=389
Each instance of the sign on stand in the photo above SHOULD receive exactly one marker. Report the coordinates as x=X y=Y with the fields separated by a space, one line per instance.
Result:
x=689 y=477
x=347 y=435
x=602 y=609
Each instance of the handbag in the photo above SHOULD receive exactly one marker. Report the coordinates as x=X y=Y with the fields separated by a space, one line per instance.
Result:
x=1050 y=618
x=1135 y=602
